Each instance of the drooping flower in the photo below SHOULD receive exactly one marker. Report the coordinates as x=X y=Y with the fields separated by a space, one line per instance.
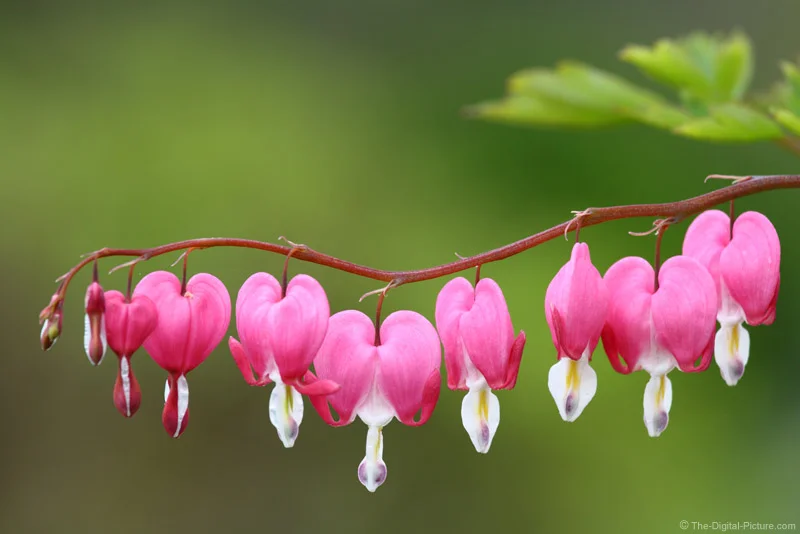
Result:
x=280 y=336
x=191 y=323
x=128 y=324
x=659 y=329
x=744 y=261
x=575 y=306
x=396 y=375
x=94 y=334
x=480 y=352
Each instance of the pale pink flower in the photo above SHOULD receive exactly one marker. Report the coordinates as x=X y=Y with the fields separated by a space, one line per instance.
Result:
x=659 y=330
x=746 y=271
x=480 y=352
x=575 y=306
x=280 y=336
x=397 y=376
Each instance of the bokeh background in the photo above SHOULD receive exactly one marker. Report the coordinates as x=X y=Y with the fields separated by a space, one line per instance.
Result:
x=337 y=124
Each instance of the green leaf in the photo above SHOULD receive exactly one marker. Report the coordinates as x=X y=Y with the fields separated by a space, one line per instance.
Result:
x=791 y=93
x=734 y=67
x=529 y=109
x=582 y=87
x=732 y=123
x=704 y=67
x=788 y=120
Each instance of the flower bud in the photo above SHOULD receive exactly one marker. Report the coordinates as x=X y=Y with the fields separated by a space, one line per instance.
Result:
x=51 y=328
x=94 y=338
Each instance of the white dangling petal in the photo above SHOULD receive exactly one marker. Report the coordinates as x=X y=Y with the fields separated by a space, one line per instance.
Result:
x=572 y=385
x=372 y=470
x=731 y=351
x=87 y=336
x=657 y=402
x=480 y=414
x=286 y=412
x=183 y=403
x=166 y=390
x=125 y=376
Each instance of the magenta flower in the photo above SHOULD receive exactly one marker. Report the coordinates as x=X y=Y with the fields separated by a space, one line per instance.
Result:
x=128 y=324
x=191 y=323
x=746 y=270
x=395 y=375
x=575 y=306
x=480 y=352
x=659 y=330
x=94 y=334
x=280 y=338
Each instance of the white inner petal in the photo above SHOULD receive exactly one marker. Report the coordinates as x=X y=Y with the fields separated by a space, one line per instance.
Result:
x=286 y=412
x=731 y=351
x=372 y=470
x=183 y=403
x=480 y=414
x=730 y=312
x=375 y=410
x=572 y=385
x=87 y=336
x=125 y=375
x=657 y=402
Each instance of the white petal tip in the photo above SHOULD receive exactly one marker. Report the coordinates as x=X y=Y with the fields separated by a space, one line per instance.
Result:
x=572 y=385
x=286 y=413
x=371 y=474
x=732 y=372
x=731 y=352
x=658 y=424
x=480 y=415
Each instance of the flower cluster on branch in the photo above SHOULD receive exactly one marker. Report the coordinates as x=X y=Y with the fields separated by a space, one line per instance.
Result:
x=650 y=317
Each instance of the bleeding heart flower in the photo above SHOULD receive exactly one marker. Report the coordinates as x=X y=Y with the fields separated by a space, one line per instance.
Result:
x=191 y=324
x=575 y=306
x=396 y=375
x=128 y=324
x=659 y=330
x=744 y=261
x=280 y=337
x=480 y=352
x=94 y=334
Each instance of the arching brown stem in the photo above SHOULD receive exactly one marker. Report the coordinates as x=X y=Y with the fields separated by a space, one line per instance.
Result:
x=675 y=211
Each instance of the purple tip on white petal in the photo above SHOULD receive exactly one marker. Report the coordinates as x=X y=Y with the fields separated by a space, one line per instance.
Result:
x=372 y=470
x=286 y=412
x=480 y=414
x=657 y=402
x=731 y=351
x=572 y=385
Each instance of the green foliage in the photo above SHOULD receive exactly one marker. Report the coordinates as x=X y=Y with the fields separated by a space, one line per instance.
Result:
x=711 y=74
x=786 y=96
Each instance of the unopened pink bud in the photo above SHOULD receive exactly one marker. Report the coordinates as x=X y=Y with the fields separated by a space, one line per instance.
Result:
x=94 y=338
x=52 y=328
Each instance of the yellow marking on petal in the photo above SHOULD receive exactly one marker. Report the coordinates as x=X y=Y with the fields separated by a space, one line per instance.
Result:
x=573 y=377
x=288 y=403
x=483 y=405
x=734 y=343
x=661 y=390
x=377 y=447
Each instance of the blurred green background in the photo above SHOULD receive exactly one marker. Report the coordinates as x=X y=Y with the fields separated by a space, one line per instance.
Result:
x=337 y=125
